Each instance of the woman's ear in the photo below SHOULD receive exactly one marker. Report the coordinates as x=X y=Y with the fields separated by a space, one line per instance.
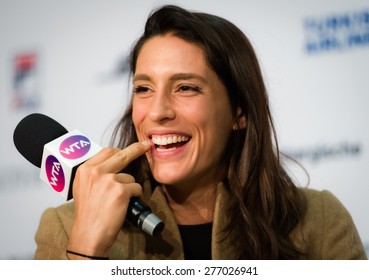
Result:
x=240 y=122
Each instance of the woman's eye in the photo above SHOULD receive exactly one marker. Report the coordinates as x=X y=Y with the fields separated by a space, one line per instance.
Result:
x=189 y=88
x=141 y=89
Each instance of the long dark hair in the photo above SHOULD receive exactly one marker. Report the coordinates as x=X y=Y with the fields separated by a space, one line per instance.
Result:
x=264 y=203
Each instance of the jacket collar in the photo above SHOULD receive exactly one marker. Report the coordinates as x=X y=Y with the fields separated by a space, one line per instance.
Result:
x=170 y=237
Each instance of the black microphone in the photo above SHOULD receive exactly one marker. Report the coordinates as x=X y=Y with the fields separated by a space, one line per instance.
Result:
x=48 y=145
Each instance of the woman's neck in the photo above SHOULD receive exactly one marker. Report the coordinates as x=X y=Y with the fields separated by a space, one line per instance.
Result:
x=191 y=206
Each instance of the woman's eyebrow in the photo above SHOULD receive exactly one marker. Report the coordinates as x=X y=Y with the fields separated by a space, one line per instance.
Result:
x=187 y=76
x=141 y=77
x=174 y=77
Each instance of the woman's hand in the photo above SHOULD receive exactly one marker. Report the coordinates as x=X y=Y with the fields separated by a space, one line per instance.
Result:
x=101 y=196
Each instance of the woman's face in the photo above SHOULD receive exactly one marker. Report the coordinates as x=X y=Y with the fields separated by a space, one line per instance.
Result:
x=182 y=108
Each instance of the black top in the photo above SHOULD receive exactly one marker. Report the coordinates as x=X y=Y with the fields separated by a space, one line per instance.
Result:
x=196 y=241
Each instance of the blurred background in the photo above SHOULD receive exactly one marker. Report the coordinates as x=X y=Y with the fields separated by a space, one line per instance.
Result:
x=67 y=59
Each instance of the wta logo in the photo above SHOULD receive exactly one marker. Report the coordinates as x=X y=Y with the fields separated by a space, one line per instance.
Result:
x=75 y=147
x=55 y=173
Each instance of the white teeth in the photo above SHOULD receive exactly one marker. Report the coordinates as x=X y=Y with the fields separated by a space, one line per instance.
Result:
x=163 y=140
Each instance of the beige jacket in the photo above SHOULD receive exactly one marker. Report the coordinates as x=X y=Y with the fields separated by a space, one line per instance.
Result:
x=326 y=232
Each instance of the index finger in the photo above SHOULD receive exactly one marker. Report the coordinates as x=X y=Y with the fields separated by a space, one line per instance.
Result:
x=122 y=158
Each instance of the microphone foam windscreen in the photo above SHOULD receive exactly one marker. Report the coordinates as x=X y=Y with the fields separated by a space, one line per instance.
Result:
x=33 y=132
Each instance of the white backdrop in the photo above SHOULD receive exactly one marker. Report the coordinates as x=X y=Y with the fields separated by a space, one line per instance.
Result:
x=66 y=59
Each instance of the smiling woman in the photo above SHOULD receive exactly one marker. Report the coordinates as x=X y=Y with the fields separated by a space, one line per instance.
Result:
x=184 y=99
x=197 y=142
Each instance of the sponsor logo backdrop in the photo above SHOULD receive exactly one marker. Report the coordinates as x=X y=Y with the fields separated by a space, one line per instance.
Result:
x=67 y=59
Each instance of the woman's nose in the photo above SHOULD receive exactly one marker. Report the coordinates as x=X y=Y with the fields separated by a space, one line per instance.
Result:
x=162 y=108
